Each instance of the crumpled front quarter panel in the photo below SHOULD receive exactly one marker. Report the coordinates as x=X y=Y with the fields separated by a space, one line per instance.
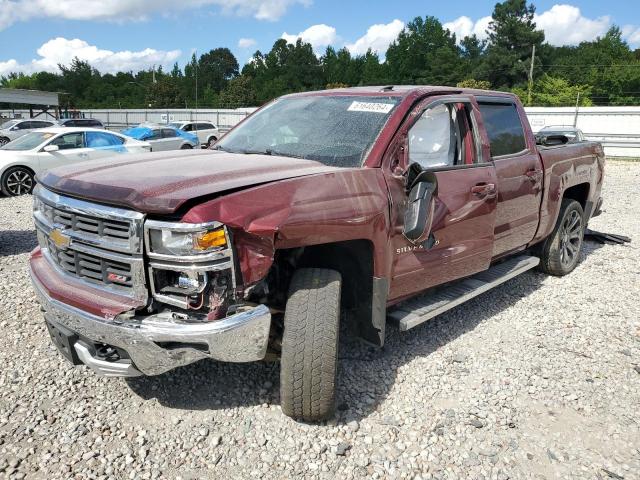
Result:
x=342 y=205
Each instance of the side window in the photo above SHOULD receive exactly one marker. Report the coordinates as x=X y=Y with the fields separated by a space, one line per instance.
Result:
x=95 y=123
x=168 y=133
x=69 y=141
x=24 y=125
x=188 y=127
x=504 y=128
x=205 y=126
x=155 y=135
x=102 y=140
x=41 y=124
x=442 y=137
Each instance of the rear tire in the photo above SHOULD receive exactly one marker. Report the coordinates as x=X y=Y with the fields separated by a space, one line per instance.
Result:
x=309 y=359
x=3 y=141
x=17 y=181
x=186 y=147
x=211 y=142
x=560 y=252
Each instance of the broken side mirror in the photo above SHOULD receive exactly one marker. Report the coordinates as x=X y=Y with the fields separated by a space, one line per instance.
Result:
x=418 y=218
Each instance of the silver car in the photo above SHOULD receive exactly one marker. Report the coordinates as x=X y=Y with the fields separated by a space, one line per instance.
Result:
x=206 y=131
x=163 y=137
x=18 y=127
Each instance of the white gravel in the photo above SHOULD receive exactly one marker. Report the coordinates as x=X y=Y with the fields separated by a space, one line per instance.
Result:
x=539 y=378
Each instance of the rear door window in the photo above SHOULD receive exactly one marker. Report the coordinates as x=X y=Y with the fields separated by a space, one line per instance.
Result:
x=168 y=133
x=103 y=140
x=504 y=128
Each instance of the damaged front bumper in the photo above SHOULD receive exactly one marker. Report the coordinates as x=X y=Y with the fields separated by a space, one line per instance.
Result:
x=154 y=344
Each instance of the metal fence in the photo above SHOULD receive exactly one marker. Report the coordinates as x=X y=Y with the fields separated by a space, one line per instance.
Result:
x=617 y=128
x=118 y=119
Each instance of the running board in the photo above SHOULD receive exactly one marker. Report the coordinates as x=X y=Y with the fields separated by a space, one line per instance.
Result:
x=417 y=310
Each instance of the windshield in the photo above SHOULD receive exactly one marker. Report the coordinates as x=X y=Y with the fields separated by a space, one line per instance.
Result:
x=334 y=130
x=9 y=124
x=28 y=141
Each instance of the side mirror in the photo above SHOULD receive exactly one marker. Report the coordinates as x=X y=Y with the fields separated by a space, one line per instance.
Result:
x=418 y=218
x=13 y=129
x=51 y=148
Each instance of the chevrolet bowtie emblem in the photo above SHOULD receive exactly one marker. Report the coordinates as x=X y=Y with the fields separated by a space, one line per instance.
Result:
x=59 y=239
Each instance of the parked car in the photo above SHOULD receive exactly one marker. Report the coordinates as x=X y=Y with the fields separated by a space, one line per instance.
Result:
x=22 y=159
x=80 y=122
x=572 y=134
x=206 y=132
x=12 y=129
x=164 y=137
x=322 y=208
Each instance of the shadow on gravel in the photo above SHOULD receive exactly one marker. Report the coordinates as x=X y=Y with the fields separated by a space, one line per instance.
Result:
x=367 y=374
x=15 y=242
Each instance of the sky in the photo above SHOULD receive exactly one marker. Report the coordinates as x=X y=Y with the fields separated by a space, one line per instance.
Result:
x=124 y=35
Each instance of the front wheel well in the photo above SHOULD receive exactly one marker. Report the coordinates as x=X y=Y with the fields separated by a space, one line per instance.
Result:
x=353 y=259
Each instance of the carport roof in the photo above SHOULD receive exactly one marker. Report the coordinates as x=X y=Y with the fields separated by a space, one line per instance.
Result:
x=29 y=97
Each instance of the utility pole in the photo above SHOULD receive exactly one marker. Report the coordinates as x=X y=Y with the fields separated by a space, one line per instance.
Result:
x=575 y=118
x=533 y=59
x=196 y=69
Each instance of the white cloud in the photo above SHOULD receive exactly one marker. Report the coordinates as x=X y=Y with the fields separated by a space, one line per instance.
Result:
x=317 y=35
x=378 y=38
x=464 y=27
x=632 y=34
x=563 y=24
x=62 y=51
x=246 y=43
x=12 y=11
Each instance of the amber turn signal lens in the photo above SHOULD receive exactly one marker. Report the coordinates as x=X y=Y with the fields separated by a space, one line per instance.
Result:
x=213 y=239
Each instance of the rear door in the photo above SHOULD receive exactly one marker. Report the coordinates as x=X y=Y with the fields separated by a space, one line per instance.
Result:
x=519 y=171
x=442 y=134
x=171 y=139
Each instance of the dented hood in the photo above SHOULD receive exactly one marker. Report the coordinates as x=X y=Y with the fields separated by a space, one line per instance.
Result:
x=161 y=182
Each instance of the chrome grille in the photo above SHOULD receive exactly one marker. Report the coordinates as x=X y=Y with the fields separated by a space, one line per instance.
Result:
x=103 y=244
x=92 y=267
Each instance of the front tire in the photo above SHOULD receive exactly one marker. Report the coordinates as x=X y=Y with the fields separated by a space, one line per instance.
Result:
x=211 y=142
x=309 y=359
x=17 y=181
x=186 y=147
x=3 y=141
x=561 y=250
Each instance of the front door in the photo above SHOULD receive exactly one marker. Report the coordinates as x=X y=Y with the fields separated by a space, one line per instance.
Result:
x=442 y=136
x=71 y=149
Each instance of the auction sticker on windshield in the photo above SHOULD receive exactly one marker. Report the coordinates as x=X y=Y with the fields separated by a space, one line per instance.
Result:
x=370 y=107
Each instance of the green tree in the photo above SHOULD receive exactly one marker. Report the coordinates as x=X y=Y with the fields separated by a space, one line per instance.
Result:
x=512 y=36
x=238 y=93
x=473 y=83
x=551 y=91
x=425 y=53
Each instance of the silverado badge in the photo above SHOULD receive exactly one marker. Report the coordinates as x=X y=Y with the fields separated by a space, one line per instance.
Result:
x=59 y=239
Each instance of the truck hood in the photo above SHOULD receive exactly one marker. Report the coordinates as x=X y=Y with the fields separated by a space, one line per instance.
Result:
x=162 y=182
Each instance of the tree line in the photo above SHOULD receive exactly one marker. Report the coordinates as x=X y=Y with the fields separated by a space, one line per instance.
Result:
x=605 y=71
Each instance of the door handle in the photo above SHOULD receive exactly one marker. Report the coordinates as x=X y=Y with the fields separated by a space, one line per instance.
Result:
x=533 y=174
x=484 y=190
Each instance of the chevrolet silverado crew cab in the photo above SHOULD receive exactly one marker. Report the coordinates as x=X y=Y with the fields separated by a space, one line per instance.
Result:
x=343 y=206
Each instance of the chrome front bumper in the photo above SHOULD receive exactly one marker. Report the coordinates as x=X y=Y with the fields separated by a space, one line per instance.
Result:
x=156 y=345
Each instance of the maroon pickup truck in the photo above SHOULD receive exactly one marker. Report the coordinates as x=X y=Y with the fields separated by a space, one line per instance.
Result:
x=323 y=208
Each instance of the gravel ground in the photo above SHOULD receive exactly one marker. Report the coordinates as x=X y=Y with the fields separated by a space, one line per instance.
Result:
x=539 y=378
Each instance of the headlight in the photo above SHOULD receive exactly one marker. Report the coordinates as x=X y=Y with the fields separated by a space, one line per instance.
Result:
x=184 y=239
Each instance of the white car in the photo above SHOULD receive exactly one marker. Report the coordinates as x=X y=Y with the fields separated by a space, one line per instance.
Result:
x=13 y=129
x=41 y=150
x=207 y=132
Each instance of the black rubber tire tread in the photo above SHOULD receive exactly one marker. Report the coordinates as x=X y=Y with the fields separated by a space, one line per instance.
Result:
x=550 y=251
x=5 y=176
x=309 y=359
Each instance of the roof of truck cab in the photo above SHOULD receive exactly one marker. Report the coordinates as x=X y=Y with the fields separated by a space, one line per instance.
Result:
x=404 y=91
